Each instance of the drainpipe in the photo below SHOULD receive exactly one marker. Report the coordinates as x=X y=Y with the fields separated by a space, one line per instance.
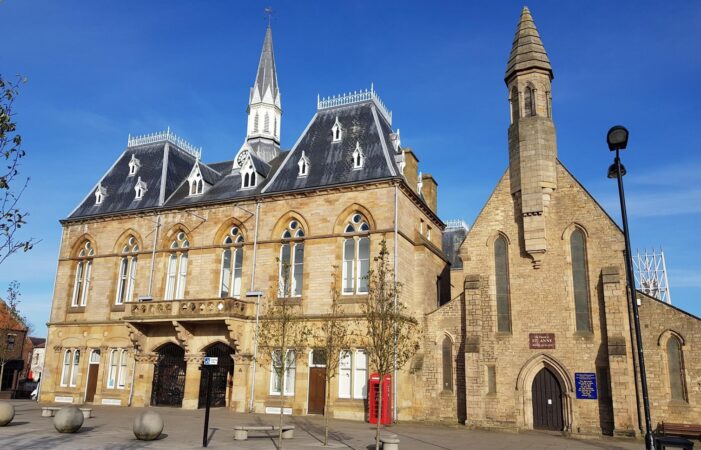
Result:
x=396 y=252
x=253 y=283
x=153 y=253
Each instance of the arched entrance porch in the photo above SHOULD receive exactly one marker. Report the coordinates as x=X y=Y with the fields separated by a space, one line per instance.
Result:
x=222 y=376
x=169 y=376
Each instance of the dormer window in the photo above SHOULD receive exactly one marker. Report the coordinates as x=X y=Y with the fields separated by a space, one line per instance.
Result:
x=358 y=157
x=140 y=189
x=134 y=165
x=420 y=184
x=100 y=194
x=248 y=176
x=196 y=181
x=336 y=131
x=303 y=165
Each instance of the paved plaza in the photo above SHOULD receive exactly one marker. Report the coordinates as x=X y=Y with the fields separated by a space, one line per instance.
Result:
x=111 y=428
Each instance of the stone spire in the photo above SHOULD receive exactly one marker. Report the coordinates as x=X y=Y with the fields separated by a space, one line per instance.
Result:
x=264 y=108
x=532 y=143
x=527 y=51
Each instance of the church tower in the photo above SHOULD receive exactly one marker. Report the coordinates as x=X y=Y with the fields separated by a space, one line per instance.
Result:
x=532 y=145
x=264 y=108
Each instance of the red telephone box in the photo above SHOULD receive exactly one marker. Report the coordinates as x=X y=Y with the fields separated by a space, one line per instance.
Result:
x=373 y=398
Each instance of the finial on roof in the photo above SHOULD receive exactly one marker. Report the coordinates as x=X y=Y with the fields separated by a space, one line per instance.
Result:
x=527 y=51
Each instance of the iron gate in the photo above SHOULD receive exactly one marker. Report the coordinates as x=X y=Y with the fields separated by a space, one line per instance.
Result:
x=220 y=375
x=169 y=376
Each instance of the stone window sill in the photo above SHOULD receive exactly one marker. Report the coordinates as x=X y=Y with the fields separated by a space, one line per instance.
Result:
x=76 y=309
x=588 y=335
x=352 y=299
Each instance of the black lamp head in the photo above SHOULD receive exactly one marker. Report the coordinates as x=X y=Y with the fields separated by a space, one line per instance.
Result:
x=613 y=169
x=617 y=138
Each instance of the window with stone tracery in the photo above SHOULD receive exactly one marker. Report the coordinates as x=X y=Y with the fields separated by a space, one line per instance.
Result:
x=501 y=271
x=356 y=255
x=176 y=273
x=127 y=271
x=291 y=260
x=232 y=264
x=81 y=284
x=580 y=280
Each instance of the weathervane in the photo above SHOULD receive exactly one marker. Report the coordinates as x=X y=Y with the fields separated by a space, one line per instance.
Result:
x=269 y=12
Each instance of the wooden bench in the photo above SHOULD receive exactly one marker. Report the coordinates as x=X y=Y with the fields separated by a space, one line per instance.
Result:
x=664 y=442
x=241 y=431
x=679 y=429
x=50 y=411
x=390 y=442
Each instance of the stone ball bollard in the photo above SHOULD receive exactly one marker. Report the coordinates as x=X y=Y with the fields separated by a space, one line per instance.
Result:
x=7 y=413
x=148 y=426
x=68 y=420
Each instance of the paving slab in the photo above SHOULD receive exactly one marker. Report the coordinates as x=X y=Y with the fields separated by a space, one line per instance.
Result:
x=111 y=428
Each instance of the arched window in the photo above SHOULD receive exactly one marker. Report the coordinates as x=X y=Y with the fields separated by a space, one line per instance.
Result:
x=74 y=368
x=116 y=377
x=196 y=181
x=336 y=131
x=303 y=165
x=515 y=111
x=358 y=157
x=134 y=165
x=81 y=286
x=266 y=123
x=127 y=271
x=675 y=366
x=291 y=260
x=356 y=255
x=177 y=267
x=529 y=101
x=580 y=280
x=66 y=370
x=232 y=264
x=255 y=122
x=282 y=377
x=501 y=269
x=447 y=364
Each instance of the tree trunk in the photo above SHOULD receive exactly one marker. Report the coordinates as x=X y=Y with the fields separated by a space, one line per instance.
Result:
x=326 y=411
x=2 y=373
x=379 y=415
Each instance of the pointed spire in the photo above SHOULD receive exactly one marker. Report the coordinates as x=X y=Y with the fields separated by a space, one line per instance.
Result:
x=266 y=78
x=527 y=51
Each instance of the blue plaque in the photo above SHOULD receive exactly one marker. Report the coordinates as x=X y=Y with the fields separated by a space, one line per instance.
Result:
x=585 y=385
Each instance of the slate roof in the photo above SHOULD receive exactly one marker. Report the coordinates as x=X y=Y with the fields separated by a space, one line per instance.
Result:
x=331 y=163
x=452 y=240
x=266 y=77
x=527 y=50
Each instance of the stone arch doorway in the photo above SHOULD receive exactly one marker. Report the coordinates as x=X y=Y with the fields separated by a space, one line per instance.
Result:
x=169 y=376
x=221 y=375
x=546 y=393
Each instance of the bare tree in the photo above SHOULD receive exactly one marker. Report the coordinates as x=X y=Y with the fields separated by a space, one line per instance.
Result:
x=334 y=336
x=12 y=218
x=14 y=328
x=393 y=335
x=283 y=332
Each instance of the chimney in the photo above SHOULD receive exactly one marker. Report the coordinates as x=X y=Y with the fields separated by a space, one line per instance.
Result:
x=430 y=191
x=411 y=168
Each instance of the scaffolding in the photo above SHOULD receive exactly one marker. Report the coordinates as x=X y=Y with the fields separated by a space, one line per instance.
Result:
x=651 y=274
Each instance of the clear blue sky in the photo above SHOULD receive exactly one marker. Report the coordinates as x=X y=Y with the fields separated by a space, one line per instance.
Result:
x=100 y=70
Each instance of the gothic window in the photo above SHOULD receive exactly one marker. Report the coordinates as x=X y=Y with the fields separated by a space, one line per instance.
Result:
x=291 y=261
x=81 y=285
x=127 y=271
x=134 y=165
x=266 y=123
x=176 y=275
x=116 y=377
x=675 y=366
x=515 y=111
x=303 y=165
x=336 y=131
x=491 y=380
x=140 y=189
x=100 y=194
x=447 y=364
x=358 y=157
x=529 y=101
x=196 y=181
x=69 y=371
x=282 y=379
x=580 y=280
x=74 y=368
x=356 y=255
x=248 y=172
x=232 y=264
x=501 y=266
x=255 y=123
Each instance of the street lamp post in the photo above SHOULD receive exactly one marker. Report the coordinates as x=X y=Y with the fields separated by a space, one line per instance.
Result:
x=617 y=139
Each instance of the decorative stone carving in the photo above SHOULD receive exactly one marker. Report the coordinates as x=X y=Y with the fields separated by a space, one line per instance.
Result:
x=68 y=420
x=148 y=425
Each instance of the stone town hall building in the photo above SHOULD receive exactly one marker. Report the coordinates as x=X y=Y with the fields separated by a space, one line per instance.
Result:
x=525 y=317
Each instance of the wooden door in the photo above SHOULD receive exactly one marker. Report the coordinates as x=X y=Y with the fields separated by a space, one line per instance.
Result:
x=317 y=390
x=547 y=402
x=92 y=382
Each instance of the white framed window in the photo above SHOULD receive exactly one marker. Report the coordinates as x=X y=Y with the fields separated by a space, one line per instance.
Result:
x=195 y=180
x=81 y=285
x=121 y=378
x=287 y=381
x=356 y=256
x=100 y=194
x=176 y=274
x=291 y=268
x=74 y=368
x=336 y=131
x=134 y=165
x=360 y=375
x=127 y=271
x=66 y=370
x=113 y=368
x=345 y=371
x=358 y=157
x=303 y=165
x=232 y=264
x=139 y=189
x=353 y=374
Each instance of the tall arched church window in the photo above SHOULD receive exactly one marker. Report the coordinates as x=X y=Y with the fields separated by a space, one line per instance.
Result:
x=529 y=101
x=356 y=255
x=447 y=364
x=580 y=280
x=81 y=285
x=501 y=268
x=176 y=274
x=232 y=264
x=675 y=366
x=291 y=260
x=127 y=271
x=515 y=111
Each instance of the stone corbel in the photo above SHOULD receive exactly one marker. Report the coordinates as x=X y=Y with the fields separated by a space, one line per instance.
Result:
x=232 y=329
x=136 y=337
x=183 y=335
